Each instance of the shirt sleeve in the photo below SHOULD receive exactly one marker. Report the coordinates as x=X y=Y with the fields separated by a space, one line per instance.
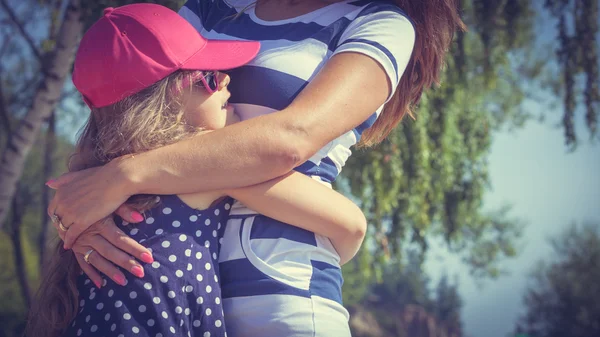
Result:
x=386 y=35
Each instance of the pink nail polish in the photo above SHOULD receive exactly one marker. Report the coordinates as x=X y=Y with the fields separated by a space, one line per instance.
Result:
x=97 y=284
x=119 y=279
x=49 y=182
x=146 y=257
x=137 y=217
x=137 y=271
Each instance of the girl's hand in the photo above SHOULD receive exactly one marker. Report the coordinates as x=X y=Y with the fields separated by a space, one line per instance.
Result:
x=85 y=197
x=108 y=245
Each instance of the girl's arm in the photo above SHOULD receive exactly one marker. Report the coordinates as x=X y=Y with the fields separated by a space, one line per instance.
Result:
x=347 y=90
x=303 y=202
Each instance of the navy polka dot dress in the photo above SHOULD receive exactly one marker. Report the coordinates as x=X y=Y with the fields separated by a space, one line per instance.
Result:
x=179 y=294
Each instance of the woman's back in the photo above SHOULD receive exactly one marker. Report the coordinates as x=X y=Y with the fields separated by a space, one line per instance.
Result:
x=179 y=293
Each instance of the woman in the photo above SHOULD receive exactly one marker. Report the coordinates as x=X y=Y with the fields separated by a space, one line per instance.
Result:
x=323 y=70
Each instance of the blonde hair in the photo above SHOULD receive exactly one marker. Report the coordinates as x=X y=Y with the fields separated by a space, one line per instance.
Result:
x=141 y=122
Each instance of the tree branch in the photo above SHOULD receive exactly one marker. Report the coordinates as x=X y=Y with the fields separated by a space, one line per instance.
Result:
x=21 y=28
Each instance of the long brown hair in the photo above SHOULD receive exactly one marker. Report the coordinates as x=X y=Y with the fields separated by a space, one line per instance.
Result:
x=435 y=23
x=147 y=120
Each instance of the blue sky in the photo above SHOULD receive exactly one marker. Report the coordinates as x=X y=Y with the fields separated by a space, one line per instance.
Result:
x=548 y=188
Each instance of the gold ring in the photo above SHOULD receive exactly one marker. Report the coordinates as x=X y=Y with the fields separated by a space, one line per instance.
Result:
x=62 y=227
x=86 y=257
x=54 y=218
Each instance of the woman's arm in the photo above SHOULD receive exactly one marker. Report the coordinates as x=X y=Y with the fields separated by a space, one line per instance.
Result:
x=349 y=88
x=303 y=202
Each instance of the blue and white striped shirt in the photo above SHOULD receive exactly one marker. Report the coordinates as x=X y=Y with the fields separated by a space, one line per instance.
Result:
x=280 y=280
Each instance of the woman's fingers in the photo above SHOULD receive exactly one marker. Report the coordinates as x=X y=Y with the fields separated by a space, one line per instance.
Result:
x=105 y=267
x=63 y=179
x=111 y=233
x=129 y=214
x=89 y=270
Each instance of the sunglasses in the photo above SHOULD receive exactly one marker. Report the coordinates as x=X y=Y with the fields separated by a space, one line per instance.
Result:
x=210 y=81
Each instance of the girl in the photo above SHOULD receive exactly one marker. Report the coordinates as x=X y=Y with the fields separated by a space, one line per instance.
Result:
x=316 y=88
x=142 y=70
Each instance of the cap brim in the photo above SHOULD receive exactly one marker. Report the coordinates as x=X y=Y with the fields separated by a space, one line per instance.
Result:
x=222 y=55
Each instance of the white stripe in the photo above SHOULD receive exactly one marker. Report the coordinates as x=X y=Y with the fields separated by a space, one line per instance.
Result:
x=231 y=249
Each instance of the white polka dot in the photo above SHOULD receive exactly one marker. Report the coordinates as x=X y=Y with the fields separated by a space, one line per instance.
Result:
x=150 y=322
x=206 y=334
x=155 y=264
x=164 y=279
x=181 y=323
x=134 y=231
x=124 y=223
x=189 y=289
x=179 y=273
x=193 y=218
x=172 y=258
x=121 y=335
x=118 y=304
x=199 y=277
x=188 y=252
x=165 y=244
x=186 y=311
x=106 y=317
x=92 y=295
x=216 y=279
x=178 y=310
x=113 y=327
x=79 y=332
x=208 y=312
x=165 y=315
x=99 y=306
x=176 y=224
x=217 y=211
x=207 y=266
x=166 y=210
x=156 y=300
x=217 y=300
x=142 y=240
x=135 y=329
x=198 y=255
x=208 y=289
x=215 y=234
x=87 y=318
x=82 y=302
x=172 y=329
x=87 y=281
x=200 y=300
x=198 y=233
x=189 y=266
x=94 y=328
x=159 y=231
x=218 y=323
x=207 y=244
x=159 y=335
x=207 y=222
x=148 y=285
x=227 y=206
x=150 y=250
x=196 y=323
x=214 y=256
x=182 y=237
x=132 y=295
x=221 y=241
x=127 y=316
x=171 y=294
x=150 y=220
x=142 y=308
x=104 y=282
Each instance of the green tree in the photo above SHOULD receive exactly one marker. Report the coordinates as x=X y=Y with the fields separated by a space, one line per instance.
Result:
x=564 y=295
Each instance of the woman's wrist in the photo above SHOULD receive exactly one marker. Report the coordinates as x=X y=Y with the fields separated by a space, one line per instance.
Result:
x=127 y=175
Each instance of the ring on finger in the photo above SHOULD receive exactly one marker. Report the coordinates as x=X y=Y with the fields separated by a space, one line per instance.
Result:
x=62 y=227
x=55 y=218
x=86 y=257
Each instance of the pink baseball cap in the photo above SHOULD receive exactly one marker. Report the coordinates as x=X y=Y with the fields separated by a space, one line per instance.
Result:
x=134 y=46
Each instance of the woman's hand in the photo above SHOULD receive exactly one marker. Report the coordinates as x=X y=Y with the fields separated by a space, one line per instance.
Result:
x=107 y=244
x=85 y=197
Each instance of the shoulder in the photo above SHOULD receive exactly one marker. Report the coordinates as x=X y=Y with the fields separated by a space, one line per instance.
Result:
x=374 y=10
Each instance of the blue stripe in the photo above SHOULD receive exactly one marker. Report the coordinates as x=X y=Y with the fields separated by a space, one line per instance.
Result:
x=364 y=125
x=240 y=278
x=378 y=46
x=380 y=6
x=326 y=281
x=326 y=170
x=269 y=88
x=267 y=228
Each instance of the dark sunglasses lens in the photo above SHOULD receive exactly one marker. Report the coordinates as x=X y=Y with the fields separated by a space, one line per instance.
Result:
x=211 y=80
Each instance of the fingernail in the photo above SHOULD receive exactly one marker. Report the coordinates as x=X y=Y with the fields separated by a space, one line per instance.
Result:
x=119 y=279
x=97 y=284
x=137 y=217
x=146 y=257
x=137 y=271
x=49 y=182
